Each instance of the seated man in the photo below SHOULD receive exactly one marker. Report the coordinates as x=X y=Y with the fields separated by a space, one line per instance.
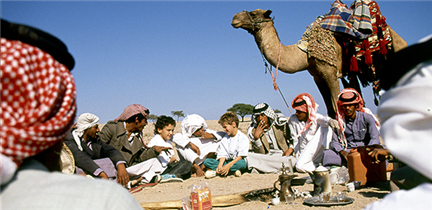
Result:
x=359 y=128
x=94 y=156
x=309 y=132
x=270 y=137
x=195 y=142
x=125 y=134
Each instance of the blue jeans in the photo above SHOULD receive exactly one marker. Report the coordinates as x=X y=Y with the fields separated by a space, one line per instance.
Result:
x=212 y=164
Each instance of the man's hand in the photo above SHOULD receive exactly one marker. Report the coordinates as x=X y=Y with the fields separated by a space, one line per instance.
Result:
x=259 y=130
x=122 y=174
x=378 y=152
x=198 y=170
x=103 y=175
x=288 y=152
x=223 y=170
x=344 y=154
x=333 y=124
x=195 y=148
x=173 y=159
x=159 y=149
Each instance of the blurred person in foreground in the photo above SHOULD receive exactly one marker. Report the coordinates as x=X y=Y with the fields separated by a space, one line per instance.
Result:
x=38 y=105
x=406 y=115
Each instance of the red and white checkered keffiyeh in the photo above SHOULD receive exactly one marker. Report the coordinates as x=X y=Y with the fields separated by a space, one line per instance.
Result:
x=305 y=102
x=37 y=100
x=132 y=110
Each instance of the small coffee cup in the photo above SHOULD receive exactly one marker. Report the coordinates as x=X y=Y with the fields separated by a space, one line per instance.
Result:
x=350 y=186
x=275 y=201
x=341 y=196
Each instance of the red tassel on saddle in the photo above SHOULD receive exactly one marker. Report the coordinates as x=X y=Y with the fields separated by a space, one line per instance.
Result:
x=354 y=66
x=383 y=47
x=367 y=55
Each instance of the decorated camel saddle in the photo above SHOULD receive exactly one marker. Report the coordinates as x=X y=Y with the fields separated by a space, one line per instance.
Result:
x=365 y=41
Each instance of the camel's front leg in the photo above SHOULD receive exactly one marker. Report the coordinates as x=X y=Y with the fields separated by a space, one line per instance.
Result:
x=328 y=85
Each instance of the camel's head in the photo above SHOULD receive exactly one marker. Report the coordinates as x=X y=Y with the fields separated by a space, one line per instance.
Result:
x=251 y=21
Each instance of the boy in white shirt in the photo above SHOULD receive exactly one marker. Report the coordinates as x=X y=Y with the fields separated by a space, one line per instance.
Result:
x=173 y=168
x=232 y=150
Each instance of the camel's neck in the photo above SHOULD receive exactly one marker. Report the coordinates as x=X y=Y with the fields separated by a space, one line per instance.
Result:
x=292 y=59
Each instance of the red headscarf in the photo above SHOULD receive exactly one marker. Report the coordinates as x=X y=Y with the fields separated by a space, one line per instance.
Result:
x=37 y=100
x=132 y=110
x=350 y=96
x=305 y=103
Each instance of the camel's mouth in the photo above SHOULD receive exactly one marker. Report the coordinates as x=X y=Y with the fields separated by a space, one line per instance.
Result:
x=236 y=24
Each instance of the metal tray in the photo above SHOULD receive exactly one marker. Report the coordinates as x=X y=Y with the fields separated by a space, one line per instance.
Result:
x=314 y=201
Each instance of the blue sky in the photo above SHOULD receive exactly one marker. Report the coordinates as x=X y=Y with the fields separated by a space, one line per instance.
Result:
x=185 y=55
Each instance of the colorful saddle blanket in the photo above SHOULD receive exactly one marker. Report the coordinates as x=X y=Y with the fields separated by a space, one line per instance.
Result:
x=356 y=23
x=366 y=32
x=362 y=21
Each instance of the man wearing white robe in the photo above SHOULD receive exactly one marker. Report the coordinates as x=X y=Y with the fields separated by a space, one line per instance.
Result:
x=310 y=132
x=196 y=142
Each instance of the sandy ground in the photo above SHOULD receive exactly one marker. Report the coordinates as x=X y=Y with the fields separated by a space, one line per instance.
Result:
x=248 y=182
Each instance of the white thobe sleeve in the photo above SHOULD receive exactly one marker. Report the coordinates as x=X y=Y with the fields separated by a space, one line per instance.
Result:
x=322 y=120
x=257 y=143
x=217 y=134
x=181 y=140
x=294 y=124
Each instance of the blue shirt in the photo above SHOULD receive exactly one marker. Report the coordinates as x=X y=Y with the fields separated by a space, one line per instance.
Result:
x=361 y=131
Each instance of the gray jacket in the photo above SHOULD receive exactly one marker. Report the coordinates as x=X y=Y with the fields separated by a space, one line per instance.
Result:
x=114 y=133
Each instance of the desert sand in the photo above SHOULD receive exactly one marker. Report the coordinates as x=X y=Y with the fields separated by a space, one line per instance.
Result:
x=175 y=191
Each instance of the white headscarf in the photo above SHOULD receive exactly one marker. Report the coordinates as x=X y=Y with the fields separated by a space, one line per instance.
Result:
x=84 y=122
x=192 y=123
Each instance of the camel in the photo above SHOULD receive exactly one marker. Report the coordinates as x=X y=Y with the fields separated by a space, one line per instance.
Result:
x=292 y=59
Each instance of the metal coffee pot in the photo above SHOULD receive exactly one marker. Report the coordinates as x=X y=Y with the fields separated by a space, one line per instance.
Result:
x=285 y=184
x=321 y=178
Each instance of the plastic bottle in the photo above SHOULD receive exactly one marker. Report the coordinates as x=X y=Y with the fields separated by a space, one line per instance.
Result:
x=356 y=170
